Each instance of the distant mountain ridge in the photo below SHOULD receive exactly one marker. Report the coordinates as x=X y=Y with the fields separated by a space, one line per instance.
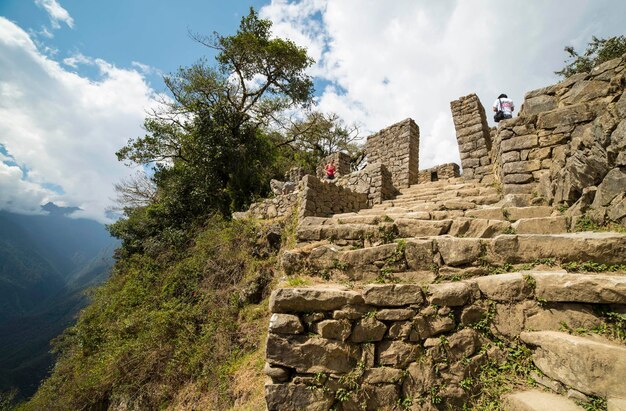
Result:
x=46 y=263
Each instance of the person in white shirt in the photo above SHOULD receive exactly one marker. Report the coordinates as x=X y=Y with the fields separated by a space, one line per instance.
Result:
x=505 y=105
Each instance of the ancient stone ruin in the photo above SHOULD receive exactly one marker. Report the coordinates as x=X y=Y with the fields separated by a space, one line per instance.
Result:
x=421 y=283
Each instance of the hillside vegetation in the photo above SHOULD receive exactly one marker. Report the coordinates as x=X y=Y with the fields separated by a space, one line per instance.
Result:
x=168 y=330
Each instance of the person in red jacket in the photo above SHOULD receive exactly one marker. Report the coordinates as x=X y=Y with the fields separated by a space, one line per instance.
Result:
x=330 y=170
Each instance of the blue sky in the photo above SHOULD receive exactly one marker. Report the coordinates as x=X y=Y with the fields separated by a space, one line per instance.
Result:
x=150 y=32
x=77 y=77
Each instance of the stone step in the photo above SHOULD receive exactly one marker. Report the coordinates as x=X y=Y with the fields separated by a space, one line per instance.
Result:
x=478 y=200
x=535 y=400
x=511 y=213
x=407 y=225
x=438 y=185
x=424 y=253
x=478 y=227
x=591 y=366
x=541 y=225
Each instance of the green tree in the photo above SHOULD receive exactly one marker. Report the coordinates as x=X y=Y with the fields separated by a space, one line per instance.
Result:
x=598 y=51
x=318 y=135
x=208 y=143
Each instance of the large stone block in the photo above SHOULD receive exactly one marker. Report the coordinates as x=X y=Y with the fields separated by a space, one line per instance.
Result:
x=366 y=256
x=459 y=251
x=285 y=324
x=368 y=330
x=292 y=300
x=373 y=398
x=608 y=248
x=427 y=327
x=494 y=213
x=395 y=314
x=408 y=227
x=519 y=143
x=590 y=288
x=505 y=287
x=463 y=344
x=449 y=294
x=419 y=254
x=516 y=213
x=517 y=178
x=613 y=184
x=541 y=225
x=539 y=104
x=574 y=316
x=566 y=116
x=333 y=329
x=584 y=91
x=392 y=295
x=397 y=354
x=291 y=397
x=311 y=355
x=478 y=227
x=521 y=166
x=590 y=366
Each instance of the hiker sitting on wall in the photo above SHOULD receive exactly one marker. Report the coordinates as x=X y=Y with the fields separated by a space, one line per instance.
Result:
x=503 y=107
x=330 y=170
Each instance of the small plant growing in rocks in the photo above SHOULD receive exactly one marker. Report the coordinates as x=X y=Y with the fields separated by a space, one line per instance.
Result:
x=509 y=230
x=297 y=282
x=506 y=213
x=405 y=403
x=594 y=404
x=530 y=281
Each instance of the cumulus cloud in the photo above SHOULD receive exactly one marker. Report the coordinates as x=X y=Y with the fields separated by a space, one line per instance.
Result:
x=56 y=12
x=385 y=61
x=62 y=130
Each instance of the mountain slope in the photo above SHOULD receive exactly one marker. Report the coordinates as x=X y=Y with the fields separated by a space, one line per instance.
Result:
x=46 y=264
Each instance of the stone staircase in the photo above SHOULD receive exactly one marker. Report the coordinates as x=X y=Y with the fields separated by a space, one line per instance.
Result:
x=443 y=257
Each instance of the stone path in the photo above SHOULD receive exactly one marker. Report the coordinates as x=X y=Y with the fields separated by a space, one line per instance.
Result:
x=446 y=250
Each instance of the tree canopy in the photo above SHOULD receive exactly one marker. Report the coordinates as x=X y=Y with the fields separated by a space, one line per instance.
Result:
x=208 y=144
x=598 y=51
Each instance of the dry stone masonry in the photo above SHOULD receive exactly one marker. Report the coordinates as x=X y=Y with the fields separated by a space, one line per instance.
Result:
x=319 y=198
x=341 y=162
x=454 y=275
x=374 y=348
x=473 y=136
x=568 y=138
x=442 y=172
x=374 y=180
x=397 y=147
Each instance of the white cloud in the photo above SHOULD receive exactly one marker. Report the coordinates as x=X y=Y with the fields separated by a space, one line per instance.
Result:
x=77 y=59
x=63 y=128
x=56 y=13
x=408 y=58
x=146 y=69
x=18 y=194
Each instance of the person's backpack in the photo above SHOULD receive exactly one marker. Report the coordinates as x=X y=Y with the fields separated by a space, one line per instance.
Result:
x=499 y=114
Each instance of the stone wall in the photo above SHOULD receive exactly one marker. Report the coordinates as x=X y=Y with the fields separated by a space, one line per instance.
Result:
x=372 y=348
x=397 y=147
x=295 y=174
x=278 y=206
x=374 y=181
x=473 y=136
x=341 y=161
x=442 y=172
x=323 y=199
x=568 y=140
